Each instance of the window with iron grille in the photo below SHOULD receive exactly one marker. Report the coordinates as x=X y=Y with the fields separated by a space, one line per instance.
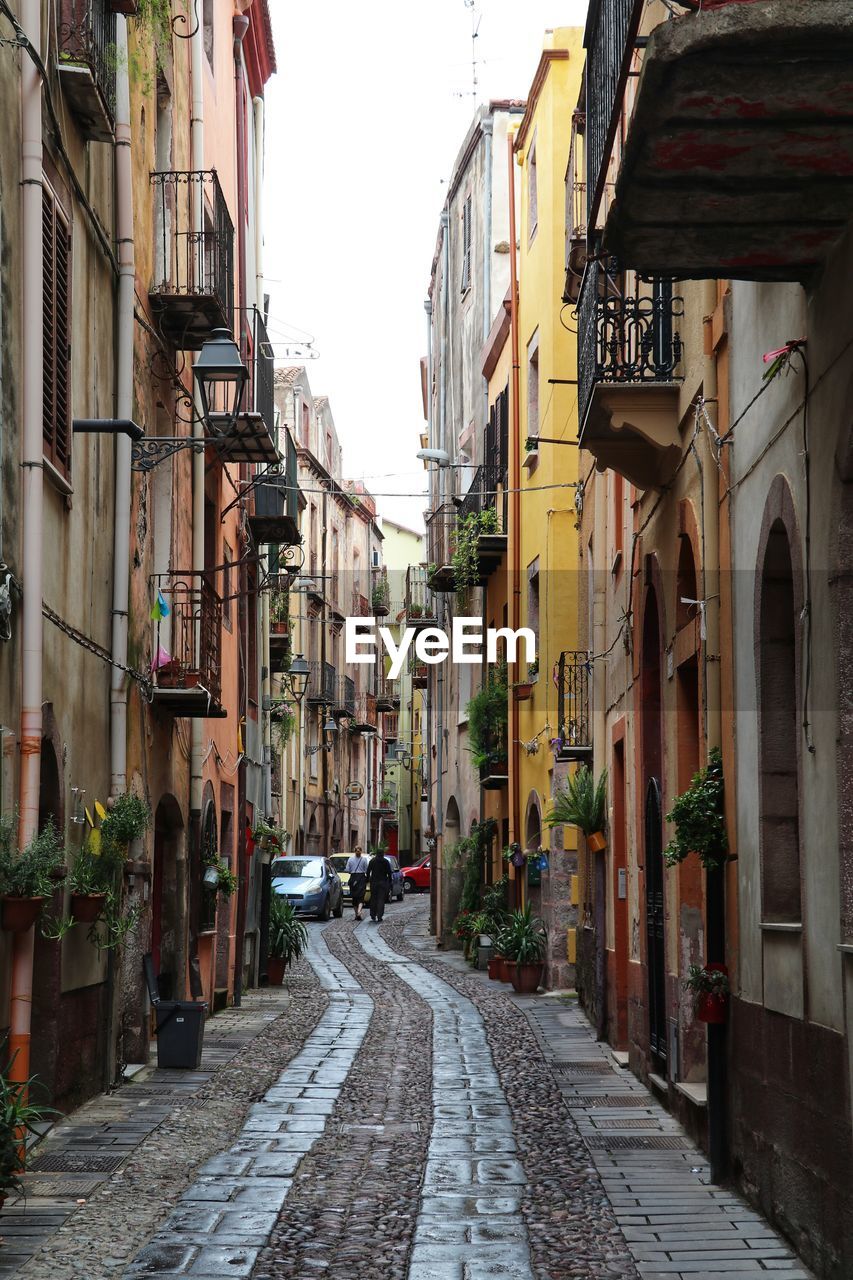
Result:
x=466 y=244
x=56 y=326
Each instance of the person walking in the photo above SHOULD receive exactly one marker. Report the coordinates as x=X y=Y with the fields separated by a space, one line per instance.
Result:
x=380 y=886
x=357 y=868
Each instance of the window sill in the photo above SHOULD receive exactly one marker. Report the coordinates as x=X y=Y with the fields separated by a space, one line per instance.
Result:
x=778 y=926
x=846 y=948
x=60 y=482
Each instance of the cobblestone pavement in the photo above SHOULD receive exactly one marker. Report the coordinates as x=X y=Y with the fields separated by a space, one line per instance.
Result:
x=160 y=1127
x=431 y=1126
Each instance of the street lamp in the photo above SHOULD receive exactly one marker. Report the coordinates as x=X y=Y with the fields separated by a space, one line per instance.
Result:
x=330 y=727
x=221 y=378
x=440 y=456
x=299 y=677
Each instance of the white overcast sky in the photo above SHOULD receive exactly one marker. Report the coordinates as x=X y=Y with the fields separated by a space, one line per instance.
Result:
x=364 y=120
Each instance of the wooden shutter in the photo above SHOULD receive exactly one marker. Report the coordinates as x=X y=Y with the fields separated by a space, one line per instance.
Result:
x=56 y=327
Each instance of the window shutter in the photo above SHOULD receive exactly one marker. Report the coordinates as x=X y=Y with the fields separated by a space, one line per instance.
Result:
x=56 y=328
x=466 y=244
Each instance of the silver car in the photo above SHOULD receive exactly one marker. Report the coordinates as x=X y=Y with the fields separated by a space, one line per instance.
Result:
x=311 y=885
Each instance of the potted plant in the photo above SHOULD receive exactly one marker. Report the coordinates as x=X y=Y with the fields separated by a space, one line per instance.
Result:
x=487 y=723
x=700 y=825
x=19 y=1116
x=26 y=881
x=524 y=942
x=227 y=882
x=288 y=938
x=381 y=597
x=582 y=803
x=92 y=876
x=283 y=722
x=127 y=820
x=710 y=986
x=279 y=613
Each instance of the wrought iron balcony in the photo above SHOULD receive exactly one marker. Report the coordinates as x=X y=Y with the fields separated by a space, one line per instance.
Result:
x=192 y=291
x=419 y=673
x=280 y=643
x=365 y=718
x=86 y=65
x=486 y=502
x=494 y=770
x=574 y=734
x=629 y=358
x=343 y=702
x=276 y=515
x=420 y=602
x=186 y=667
x=380 y=593
x=738 y=160
x=322 y=683
x=387 y=691
x=263 y=372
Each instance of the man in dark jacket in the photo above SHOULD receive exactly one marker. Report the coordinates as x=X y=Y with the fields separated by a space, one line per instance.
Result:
x=380 y=885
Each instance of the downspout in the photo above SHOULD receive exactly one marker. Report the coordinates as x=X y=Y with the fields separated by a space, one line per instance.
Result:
x=442 y=471
x=32 y=505
x=715 y=880
x=515 y=504
x=122 y=510
x=426 y=721
x=258 y=113
x=196 y=725
x=598 y=644
x=487 y=128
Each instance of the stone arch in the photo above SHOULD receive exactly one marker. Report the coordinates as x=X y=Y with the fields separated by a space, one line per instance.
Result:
x=776 y=636
x=533 y=822
x=47 y=954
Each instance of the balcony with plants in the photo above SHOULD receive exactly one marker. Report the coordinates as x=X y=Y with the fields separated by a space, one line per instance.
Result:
x=280 y=634
x=629 y=373
x=738 y=157
x=186 y=669
x=420 y=601
x=488 y=718
x=87 y=65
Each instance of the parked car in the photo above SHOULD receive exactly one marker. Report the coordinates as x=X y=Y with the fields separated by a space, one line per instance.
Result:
x=312 y=885
x=398 y=884
x=416 y=877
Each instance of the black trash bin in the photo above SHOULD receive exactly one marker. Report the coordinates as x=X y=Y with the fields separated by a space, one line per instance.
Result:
x=180 y=1026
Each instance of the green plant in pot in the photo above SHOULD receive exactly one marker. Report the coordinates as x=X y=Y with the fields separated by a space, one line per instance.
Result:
x=582 y=803
x=523 y=943
x=710 y=986
x=27 y=877
x=487 y=720
x=288 y=939
x=279 y=612
x=20 y=1115
x=127 y=820
x=465 y=559
x=700 y=825
x=92 y=878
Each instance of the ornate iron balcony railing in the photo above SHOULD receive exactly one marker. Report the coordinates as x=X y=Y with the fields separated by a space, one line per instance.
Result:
x=609 y=39
x=87 y=37
x=574 y=733
x=193 y=284
x=188 y=635
x=625 y=338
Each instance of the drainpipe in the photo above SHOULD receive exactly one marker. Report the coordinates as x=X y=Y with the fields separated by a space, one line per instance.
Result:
x=197 y=725
x=122 y=512
x=487 y=127
x=515 y=504
x=32 y=500
x=426 y=720
x=599 y=739
x=715 y=881
x=442 y=471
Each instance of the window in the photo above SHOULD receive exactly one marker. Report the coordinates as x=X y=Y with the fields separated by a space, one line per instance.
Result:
x=532 y=195
x=466 y=245
x=306 y=424
x=533 y=385
x=56 y=281
x=779 y=734
x=533 y=602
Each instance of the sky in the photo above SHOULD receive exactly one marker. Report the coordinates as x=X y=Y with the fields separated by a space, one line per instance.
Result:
x=363 y=123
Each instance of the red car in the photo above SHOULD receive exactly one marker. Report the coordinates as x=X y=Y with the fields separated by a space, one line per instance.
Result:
x=416 y=877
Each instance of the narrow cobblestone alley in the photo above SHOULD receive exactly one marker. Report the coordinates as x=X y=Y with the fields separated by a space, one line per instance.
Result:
x=425 y=1125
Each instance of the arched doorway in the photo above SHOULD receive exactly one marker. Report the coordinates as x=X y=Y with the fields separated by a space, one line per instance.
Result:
x=167 y=947
x=651 y=774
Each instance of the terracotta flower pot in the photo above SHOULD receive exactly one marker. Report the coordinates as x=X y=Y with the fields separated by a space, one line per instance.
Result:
x=20 y=914
x=525 y=978
x=506 y=969
x=711 y=1007
x=596 y=842
x=275 y=970
x=128 y=7
x=86 y=907
x=523 y=691
x=493 y=967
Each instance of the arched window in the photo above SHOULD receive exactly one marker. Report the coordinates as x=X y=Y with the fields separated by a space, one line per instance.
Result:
x=778 y=733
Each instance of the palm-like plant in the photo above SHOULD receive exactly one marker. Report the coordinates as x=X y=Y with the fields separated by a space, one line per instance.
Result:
x=582 y=802
x=288 y=936
x=524 y=938
x=19 y=1115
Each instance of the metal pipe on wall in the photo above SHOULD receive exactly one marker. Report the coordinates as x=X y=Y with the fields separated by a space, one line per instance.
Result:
x=514 y=484
x=442 y=471
x=32 y=537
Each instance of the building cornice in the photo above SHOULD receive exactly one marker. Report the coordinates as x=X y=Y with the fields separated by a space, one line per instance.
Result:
x=548 y=56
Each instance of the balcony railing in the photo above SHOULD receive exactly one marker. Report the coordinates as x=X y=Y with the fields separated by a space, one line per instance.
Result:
x=192 y=291
x=87 y=65
x=365 y=716
x=494 y=770
x=276 y=515
x=625 y=338
x=344 y=700
x=387 y=690
x=420 y=602
x=380 y=593
x=609 y=39
x=574 y=734
x=360 y=606
x=322 y=683
x=263 y=372
x=187 y=666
